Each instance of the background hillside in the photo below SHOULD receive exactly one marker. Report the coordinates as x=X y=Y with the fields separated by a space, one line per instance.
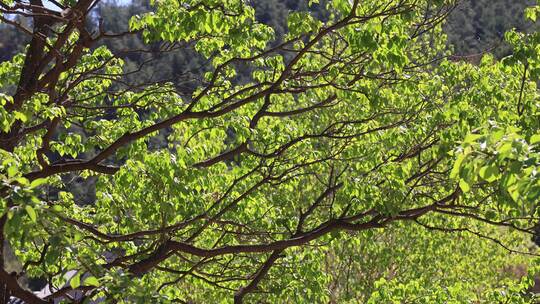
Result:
x=476 y=26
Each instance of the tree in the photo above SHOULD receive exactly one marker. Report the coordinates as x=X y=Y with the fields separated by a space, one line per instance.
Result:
x=356 y=128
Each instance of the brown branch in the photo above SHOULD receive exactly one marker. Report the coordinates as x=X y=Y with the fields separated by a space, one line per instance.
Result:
x=303 y=110
x=17 y=291
x=259 y=275
x=520 y=106
x=222 y=157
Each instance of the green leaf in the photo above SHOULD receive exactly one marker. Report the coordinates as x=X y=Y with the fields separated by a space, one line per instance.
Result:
x=471 y=138
x=465 y=187
x=208 y=23
x=38 y=182
x=91 y=281
x=57 y=208
x=457 y=166
x=23 y=181
x=75 y=281
x=343 y=6
x=535 y=139
x=31 y=212
x=12 y=171
x=531 y=13
x=20 y=116
x=505 y=150
x=489 y=173
x=514 y=193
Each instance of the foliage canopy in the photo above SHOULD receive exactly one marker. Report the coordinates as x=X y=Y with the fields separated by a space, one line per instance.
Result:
x=358 y=145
